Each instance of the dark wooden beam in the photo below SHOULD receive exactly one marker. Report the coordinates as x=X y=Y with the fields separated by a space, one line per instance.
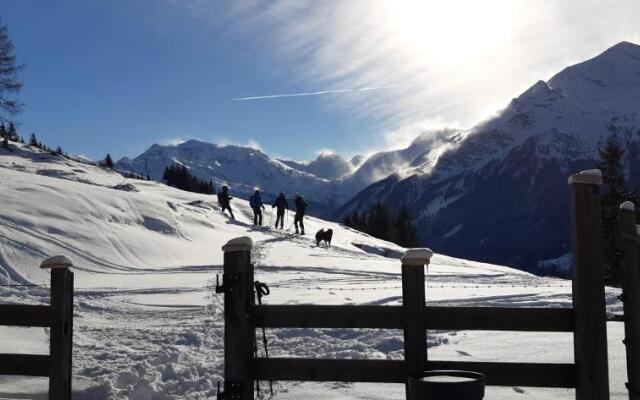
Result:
x=390 y=317
x=24 y=315
x=61 y=336
x=631 y=296
x=239 y=334
x=24 y=364
x=587 y=273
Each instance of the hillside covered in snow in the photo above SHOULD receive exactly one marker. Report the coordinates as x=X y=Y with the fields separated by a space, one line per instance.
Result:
x=148 y=324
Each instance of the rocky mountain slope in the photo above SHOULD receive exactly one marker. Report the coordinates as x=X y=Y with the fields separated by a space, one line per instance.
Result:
x=498 y=191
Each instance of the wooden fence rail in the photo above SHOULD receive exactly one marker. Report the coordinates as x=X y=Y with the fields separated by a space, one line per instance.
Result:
x=59 y=318
x=436 y=317
x=586 y=320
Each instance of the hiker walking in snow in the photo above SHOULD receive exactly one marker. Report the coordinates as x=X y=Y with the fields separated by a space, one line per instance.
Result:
x=281 y=205
x=255 y=202
x=224 y=200
x=301 y=207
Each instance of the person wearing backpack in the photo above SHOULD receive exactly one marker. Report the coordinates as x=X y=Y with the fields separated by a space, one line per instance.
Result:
x=301 y=207
x=255 y=202
x=225 y=200
x=281 y=205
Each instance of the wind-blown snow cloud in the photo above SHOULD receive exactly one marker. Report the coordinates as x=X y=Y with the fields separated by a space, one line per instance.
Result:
x=171 y=141
x=464 y=58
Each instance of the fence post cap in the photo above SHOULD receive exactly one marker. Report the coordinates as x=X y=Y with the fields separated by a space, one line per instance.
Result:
x=589 y=177
x=57 y=262
x=242 y=243
x=417 y=257
x=628 y=206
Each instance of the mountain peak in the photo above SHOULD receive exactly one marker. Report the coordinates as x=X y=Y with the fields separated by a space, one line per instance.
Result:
x=538 y=89
x=625 y=47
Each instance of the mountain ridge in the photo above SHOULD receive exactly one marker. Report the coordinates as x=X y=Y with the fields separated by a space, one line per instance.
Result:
x=475 y=191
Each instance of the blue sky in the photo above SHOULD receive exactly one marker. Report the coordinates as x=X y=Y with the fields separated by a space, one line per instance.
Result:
x=117 y=76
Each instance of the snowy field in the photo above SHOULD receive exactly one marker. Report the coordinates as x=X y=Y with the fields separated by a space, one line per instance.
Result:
x=148 y=324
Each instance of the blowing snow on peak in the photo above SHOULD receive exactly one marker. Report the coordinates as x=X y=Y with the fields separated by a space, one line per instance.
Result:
x=521 y=156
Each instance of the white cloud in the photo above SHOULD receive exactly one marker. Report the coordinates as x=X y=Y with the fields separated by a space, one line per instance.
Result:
x=464 y=58
x=325 y=152
x=224 y=141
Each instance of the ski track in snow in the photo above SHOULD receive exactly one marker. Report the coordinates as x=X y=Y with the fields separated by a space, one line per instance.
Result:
x=148 y=324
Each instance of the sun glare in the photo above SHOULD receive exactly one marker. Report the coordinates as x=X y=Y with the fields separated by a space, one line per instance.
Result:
x=449 y=32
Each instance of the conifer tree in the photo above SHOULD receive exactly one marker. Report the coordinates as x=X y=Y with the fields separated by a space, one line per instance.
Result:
x=12 y=133
x=5 y=142
x=33 y=140
x=3 y=131
x=108 y=161
x=379 y=222
x=9 y=84
x=615 y=192
x=179 y=176
x=405 y=234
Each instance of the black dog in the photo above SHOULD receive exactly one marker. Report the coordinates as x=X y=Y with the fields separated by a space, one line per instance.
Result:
x=324 y=236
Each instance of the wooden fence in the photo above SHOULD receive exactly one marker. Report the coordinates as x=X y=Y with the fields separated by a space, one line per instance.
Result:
x=59 y=318
x=588 y=374
x=630 y=241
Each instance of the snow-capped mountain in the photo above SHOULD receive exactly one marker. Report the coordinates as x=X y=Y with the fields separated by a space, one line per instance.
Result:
x=326 y=165
x=241 y=168
x=498 y=192
x=327 y=182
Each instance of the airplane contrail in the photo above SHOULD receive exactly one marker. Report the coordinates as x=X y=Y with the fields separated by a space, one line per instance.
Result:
x=276 y=96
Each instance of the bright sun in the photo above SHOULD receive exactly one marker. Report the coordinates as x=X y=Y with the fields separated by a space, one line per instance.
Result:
x=450 y=32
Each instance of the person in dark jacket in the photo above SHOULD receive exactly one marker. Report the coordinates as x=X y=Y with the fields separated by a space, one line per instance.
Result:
x=225 y=200
x=301 y=207
x=255 y=202
x=281 y=204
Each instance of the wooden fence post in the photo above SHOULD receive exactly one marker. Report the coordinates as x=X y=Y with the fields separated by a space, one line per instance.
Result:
x=61 y=336
x=590 y=330
x=413 y=306
x=630 y=241
x=239 y=335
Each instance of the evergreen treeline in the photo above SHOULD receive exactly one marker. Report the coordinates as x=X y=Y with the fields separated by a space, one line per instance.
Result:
x=615 y=192
x=383 y=224
x=179 y=177
x=9 y=133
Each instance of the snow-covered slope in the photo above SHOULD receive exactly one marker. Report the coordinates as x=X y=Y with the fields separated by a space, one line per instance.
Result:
x=149 y=326
x=498 y=192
